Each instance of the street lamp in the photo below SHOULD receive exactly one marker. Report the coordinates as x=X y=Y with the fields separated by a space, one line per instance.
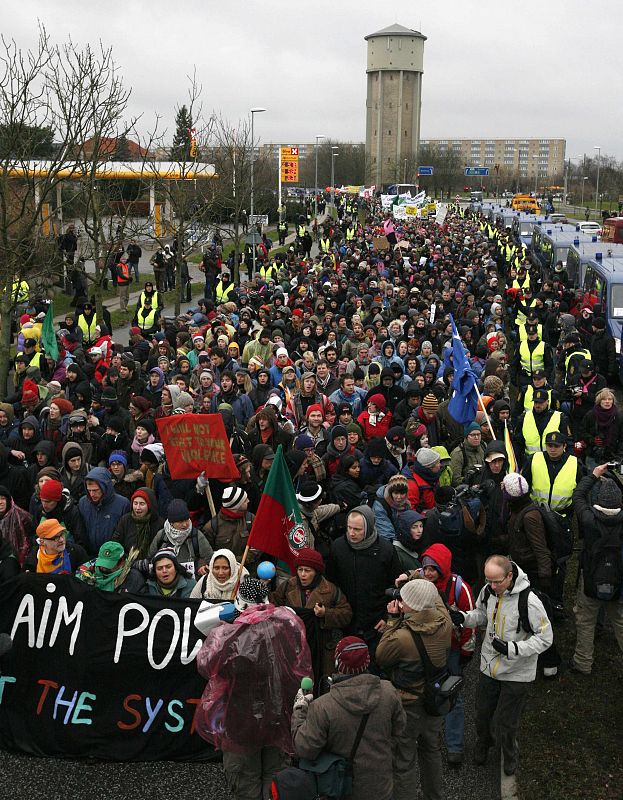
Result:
x=585 y=178
x=254 y=111
x=318 y=137
x=598 y=165
x=334 y=154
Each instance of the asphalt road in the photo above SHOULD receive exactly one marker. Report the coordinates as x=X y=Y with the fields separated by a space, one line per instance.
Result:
x=26 y=777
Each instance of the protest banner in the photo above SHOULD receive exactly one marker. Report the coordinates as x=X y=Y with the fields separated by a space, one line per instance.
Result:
x=195 y=443
x=98 y=674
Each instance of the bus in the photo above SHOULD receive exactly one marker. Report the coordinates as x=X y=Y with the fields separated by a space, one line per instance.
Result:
x=612 y=230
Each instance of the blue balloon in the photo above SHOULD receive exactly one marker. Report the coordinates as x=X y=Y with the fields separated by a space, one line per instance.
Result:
x=266 y=571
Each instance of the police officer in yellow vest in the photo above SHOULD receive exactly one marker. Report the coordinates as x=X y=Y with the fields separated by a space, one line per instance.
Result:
x=573 y=354
x=20 y=291
x=525 y=400
x=33 y=358
x=268 y=272
x=225 y=291
x=147 y=318
x=552 y=477
x=282 y=230
x=154 y=296
x=301 y=228
x=522 y=281
x=325 y=244
x=87 y=322
x=351 y=232
x=535 y=424
x=526 y=307
x=532 y=354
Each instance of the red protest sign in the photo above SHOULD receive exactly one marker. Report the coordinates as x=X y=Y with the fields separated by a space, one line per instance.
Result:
x=195 y=443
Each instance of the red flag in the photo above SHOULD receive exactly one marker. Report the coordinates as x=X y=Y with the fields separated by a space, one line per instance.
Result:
x=277 y=528
x=195 y=443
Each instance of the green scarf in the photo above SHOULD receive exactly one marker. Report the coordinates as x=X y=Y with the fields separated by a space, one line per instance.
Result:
x=107 y=582
x=143 y=534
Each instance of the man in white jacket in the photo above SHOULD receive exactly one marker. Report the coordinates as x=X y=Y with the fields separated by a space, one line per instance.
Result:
x=509 y=654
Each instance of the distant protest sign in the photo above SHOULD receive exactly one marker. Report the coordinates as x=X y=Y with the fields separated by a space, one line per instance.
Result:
x=195 y=443
x=98 y=674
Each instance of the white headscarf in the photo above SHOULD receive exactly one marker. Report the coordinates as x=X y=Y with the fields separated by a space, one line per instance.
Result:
x=211 y=589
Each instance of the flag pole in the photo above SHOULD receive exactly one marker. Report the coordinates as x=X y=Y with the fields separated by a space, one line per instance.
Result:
x=239 y=578
x=484 y=409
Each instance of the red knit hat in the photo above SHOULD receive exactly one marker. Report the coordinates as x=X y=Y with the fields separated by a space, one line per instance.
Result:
x=352 y=656
x=30 y=392
x=314 y=407
x=306 y=557
x=51 y=490
x=379 y=401
x=145 y=495
x=64 y=406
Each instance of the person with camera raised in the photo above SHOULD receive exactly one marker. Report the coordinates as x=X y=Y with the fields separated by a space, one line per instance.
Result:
x=469 y=456
x=419 y=612
x=508 y=658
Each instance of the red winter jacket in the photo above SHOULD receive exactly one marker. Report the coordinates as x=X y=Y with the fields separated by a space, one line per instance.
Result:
x=421 y=493
x=465 y=639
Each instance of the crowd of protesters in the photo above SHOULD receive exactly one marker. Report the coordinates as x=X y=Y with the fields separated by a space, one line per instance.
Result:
x=345 y=360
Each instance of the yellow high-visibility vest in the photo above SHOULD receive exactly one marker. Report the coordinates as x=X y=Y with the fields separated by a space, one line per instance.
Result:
x=531 y=360
x=535 y=442
x=222 y=294
x=564 y=483
x=87 y=328
x=146 y=323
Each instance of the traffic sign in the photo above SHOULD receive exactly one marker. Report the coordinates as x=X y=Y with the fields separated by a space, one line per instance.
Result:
x=258 y=219
x=471 y=171
x=289 y=164
x=424 y=170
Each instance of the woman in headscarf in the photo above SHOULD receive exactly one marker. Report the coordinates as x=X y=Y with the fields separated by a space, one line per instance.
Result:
x=219 y=581
x=16 y=526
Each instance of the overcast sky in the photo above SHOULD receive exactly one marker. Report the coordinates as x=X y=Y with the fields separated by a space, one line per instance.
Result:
x=491 y=69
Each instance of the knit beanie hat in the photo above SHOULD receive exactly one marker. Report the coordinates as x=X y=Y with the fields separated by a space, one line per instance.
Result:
x=167 y=552
x=338 y=430
x=515 y=485
x=314 y=407
x=306 y=557
x=177 y=511
x=119 y=456
x=352 y=656
x=303 y=442
x=427 y=561
x=145 y=495
x=64 y=406
x=309 y=491
x=354 y=427
x=379 y=401
x=49 y=528
x=51 y=490
x=142 y=403
x=427 y=457
x=397 y=484
x=608 y=497
x=430 y=404
x=419 y=594
x=30 y=391
x=376 y=447
x=184 y=399
x=234 y=498
x=50 y=472
x=493 y=385
x=473 y=426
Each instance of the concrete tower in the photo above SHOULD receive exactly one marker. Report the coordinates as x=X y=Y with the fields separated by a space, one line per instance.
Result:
x=394 y=68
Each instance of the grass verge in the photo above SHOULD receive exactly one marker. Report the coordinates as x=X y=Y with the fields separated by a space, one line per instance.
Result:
x=570 y=748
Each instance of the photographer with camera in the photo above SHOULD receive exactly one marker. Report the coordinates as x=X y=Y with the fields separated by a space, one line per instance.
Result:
x=492 y=498
x=581 y=395
x=508 y=658
x=419 y=617
x=602 y=431
x=468 y=456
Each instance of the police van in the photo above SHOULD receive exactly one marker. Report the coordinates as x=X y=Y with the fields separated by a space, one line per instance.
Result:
x=603 y=291
x=580 y=255
x=550 y=244
x=523 y=226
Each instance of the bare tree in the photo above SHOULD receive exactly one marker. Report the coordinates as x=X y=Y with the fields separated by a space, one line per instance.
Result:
x=71 y=92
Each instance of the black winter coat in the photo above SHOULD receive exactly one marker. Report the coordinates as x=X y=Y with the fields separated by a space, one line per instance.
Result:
x=363 y=576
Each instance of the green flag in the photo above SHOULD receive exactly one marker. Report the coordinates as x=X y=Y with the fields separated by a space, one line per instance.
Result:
x=48 y=336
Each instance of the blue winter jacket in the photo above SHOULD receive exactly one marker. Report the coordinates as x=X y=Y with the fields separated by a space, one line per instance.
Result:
x=100 y=520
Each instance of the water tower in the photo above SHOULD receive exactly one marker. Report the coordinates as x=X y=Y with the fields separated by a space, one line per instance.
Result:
x=395 y=67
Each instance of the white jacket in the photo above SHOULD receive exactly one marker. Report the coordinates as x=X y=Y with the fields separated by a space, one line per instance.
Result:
x=500 y=617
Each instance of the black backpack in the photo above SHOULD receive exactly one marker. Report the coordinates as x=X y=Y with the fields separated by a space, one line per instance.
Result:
x=558 y=534
x=602 y=564
x=522 y=606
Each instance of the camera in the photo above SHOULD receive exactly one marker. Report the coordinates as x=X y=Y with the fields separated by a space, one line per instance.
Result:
x=393 y=593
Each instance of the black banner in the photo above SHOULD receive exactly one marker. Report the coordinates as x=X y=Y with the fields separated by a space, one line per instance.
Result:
x=91 y=673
